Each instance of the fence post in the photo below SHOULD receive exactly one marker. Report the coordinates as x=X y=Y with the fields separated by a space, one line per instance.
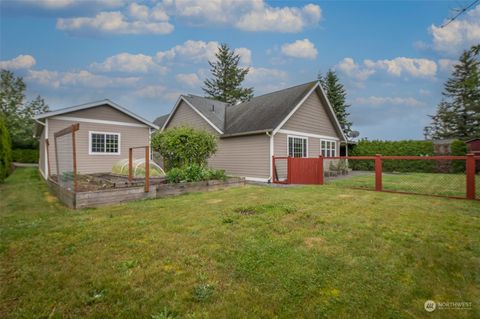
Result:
x=147 y=169
x=378 y=173
x=289 y=170
x=130 y=164
x=470 y=171
x=320 y=168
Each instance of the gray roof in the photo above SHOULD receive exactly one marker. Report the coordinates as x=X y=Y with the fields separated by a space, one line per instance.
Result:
x=260 y=114
x=159 y=121
x=264 y=112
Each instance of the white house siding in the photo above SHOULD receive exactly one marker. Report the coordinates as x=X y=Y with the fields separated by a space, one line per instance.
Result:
x=129 y=137
x=246 y=156
x=41 y=159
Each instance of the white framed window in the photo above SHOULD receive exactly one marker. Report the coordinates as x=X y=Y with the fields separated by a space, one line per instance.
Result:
x=297 y=146
x=104 y=143
x=328 y=148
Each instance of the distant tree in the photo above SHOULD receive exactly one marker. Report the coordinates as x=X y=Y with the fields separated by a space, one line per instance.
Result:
x=226 y=83
x=5 y=150
x=458 y=114
x=17 y=111
x=336 y=94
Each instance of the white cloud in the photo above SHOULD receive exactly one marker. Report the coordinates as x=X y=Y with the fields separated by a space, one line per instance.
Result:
x=259 y=75
x=144 y=13
x=300 y=49
x=247 y=15
x=157 y=92
x=84 y=79
x=115 y=22
x=353 y=70
x=20 y=62
x=200 y=51
x=379 y=100
x=62 y=4
x=130 y=63
x=447 y=64
x=188 y=79
x=458 y=35
x=396 y=67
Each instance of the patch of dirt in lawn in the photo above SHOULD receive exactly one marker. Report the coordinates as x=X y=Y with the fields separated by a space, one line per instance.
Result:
x=50 y=198
x=246 y=211
x=345 y=196
x=313 y=242
x=214 y=201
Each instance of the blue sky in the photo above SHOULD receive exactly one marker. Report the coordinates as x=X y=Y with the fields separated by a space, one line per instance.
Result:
x=392 y=56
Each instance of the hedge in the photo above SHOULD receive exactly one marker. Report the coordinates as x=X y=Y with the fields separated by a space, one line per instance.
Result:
x=394 y=148
x=5 y=150
x=25 y=155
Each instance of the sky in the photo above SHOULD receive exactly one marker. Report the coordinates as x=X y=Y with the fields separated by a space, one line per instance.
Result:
x=392 y=56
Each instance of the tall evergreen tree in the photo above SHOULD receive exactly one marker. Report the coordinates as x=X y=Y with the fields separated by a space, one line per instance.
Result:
x=336 y=94
x=226 y=84
x=17 y=111
x=458 y=114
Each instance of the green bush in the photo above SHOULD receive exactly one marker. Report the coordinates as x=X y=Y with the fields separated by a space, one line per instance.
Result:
x=458 y=148
x=394 y=148
x=194 y=173
x=25 y=155
x=182 y=146
x=5 y=150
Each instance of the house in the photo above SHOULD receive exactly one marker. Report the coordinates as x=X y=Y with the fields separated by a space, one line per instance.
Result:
x=298 y=121
x=106 y=132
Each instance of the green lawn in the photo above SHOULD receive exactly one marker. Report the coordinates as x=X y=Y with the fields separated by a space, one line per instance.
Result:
x=422 y=183
x=250 y=252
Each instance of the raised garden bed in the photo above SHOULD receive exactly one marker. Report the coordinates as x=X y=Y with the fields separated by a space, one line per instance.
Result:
x=112 y=195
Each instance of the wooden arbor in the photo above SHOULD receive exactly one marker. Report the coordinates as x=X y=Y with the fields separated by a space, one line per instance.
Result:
x=68 y=130
x=147 y=165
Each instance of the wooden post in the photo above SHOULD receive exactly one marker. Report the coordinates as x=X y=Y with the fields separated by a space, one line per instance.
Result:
x=378 y=173
x=470 y=171
x=289 y=170
x=130 y=164
x=147 y=169
x=320 y=170
x=74 y=153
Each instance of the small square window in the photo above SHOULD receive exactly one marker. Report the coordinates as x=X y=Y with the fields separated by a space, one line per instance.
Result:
x=104 y=143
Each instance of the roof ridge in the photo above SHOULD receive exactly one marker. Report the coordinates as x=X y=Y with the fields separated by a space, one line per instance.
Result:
x=203 y=97
x=287 y=88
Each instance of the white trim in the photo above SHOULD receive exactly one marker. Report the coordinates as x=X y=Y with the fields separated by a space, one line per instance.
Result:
x=94 y=104
x=271 y=155
x=278 y=128
x=300 y=137
x=257 y=179
x=81 y=119
x=308 y=134
x=47 y=173
x=181 y=98
x=336 y=148
x=105 y=133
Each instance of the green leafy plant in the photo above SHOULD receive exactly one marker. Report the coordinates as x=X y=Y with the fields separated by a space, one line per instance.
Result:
x=202 y=292
x=194 y=173
x=25 y=155
x=164 y=314
x=182 y=146
x=458 y=148
x=5 y=150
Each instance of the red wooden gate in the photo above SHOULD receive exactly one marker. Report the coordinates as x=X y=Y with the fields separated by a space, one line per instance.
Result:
x=301 y=170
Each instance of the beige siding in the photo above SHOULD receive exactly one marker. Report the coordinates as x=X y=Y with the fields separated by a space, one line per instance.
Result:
x=312 y=117
x=41 y=160
x=246 y=156
x=129 y=137
x=104 y=112
x=186 y=116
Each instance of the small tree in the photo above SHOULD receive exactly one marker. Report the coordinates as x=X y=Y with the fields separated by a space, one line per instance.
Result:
x=5 y=150
x=226 y=84
x=337 y=96
x=183 y=146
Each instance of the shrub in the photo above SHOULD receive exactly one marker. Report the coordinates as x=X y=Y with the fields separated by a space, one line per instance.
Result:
x=194 y=173
x=458 y=148
x=25 y=155
x=394 y=148
x=5 y=150
x=182 y=146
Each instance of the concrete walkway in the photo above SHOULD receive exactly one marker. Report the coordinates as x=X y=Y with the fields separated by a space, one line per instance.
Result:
x=24 y=164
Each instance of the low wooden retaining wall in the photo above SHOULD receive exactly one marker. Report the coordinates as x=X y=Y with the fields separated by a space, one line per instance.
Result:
x=119 y=195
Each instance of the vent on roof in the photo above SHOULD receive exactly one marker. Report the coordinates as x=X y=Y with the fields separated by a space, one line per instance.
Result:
x=213 y=107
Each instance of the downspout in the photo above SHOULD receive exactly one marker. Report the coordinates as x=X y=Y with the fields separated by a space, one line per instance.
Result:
x=270 y=178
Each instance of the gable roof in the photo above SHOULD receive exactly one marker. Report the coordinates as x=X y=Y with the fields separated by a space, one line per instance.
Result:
x=159 y=121
x=264 y=113
x=95 y=104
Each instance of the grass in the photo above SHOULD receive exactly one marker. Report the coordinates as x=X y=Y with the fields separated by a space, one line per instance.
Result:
x=422 y=183
x=250 y=252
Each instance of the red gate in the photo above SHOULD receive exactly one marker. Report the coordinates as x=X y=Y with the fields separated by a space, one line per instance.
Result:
x=299 y=170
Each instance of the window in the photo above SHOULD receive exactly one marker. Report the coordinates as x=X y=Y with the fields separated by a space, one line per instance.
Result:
x=328 y=148
x=297 y=146
x=104 y=143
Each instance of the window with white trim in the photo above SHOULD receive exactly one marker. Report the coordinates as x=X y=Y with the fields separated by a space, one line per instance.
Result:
x=328 y=148
x=297 y=146
x=104 y=143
